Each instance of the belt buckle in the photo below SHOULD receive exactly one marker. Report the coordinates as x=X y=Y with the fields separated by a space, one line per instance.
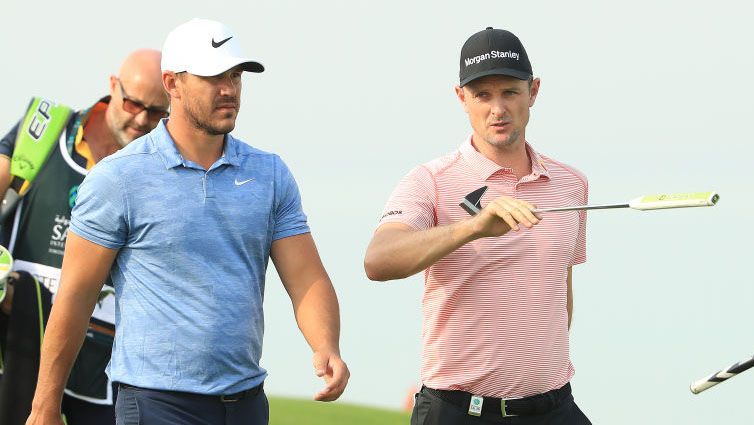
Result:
x=503 y=410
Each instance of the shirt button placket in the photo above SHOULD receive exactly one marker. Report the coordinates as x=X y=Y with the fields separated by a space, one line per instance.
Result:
x=208 y=186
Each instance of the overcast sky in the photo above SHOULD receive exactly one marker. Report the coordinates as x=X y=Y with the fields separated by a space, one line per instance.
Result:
x=642 y=96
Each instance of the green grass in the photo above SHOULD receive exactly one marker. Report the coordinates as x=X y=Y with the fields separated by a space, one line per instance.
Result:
x=287 y=411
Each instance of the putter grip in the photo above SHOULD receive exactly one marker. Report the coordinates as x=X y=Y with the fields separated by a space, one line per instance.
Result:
x=703 y=384
x=722 y=375
x=675 y=200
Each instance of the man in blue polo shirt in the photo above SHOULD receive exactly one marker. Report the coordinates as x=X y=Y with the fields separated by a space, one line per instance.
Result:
x=185 y=219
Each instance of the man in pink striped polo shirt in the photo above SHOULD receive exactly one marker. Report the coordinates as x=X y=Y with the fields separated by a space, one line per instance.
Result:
x=497 y=296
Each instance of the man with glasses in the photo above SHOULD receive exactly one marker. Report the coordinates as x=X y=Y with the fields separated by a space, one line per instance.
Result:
x=135 y=104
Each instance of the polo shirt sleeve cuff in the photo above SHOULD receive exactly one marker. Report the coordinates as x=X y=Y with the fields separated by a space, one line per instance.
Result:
x=290 y=232
x=93 y=236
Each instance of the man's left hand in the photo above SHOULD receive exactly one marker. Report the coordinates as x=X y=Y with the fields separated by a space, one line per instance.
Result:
x=334 y=371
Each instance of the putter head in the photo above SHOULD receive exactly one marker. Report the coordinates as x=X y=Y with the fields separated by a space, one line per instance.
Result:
x=472 y=203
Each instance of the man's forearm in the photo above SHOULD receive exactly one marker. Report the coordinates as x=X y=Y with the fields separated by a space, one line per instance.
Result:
x=315 y=306
x=396 y=253
x=318 y=317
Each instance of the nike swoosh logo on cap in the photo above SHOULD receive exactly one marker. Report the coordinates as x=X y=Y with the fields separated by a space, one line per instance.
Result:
x=220 y=43
x=239 y=183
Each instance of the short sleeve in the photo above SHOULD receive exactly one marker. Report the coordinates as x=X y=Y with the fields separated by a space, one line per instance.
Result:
x=579 y=255
x=99 y=214
x=290 y=219
x=8 y=142
x=412 y=201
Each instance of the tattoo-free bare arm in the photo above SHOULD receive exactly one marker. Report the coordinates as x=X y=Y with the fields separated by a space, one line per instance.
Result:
x=315 y=306
x=398 y=251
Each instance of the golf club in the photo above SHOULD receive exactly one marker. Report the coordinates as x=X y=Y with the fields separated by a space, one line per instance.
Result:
x=472 y=202
x=723 y=375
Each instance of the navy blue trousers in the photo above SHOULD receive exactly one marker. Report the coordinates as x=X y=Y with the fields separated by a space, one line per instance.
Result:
x=140 y=406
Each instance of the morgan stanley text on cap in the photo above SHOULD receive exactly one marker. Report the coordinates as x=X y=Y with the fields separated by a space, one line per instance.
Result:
x=493 y=52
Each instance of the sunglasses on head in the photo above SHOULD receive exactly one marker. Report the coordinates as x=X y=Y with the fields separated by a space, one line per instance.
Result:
x=135 y=107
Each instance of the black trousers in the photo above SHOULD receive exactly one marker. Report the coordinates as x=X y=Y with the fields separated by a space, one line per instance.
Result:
x=140 y=406
x=431 y=410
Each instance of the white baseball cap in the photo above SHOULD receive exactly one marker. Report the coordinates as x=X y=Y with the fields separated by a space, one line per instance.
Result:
x=205 y=48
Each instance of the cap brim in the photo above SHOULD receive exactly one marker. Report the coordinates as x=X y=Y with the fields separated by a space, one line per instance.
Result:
x=252 y=66
x=209 y=70
x=509 y=72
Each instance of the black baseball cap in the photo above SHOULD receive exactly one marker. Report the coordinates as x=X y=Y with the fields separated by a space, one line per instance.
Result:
x=493 y=52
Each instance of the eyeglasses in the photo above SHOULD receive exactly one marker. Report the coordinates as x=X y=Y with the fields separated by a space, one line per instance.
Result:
x=135 y=107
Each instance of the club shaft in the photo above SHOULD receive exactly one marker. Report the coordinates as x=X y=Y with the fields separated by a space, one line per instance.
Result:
x=582 y=207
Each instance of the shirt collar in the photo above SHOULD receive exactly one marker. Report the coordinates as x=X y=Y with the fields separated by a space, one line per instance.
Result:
x=538 y=167
x=485 y=167
x=172 y=158
x=231 y=150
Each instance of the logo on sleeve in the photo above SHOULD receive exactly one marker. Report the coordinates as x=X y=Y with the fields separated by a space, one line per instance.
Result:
x=389 y=213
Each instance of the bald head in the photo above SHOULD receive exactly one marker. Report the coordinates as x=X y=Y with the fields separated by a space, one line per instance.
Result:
x=139 y=80
x=142 y=67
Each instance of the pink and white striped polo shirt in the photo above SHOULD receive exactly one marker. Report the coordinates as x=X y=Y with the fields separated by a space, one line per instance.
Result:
x=495 y=318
